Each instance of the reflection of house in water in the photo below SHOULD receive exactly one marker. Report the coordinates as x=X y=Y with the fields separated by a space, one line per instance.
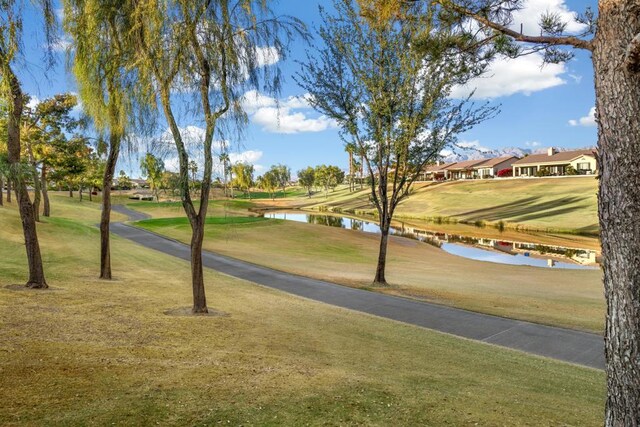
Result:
x=584 y=257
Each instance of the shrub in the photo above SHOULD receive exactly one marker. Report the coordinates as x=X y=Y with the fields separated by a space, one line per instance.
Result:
x=570 y=170
x=504 y=173
x=543 y=172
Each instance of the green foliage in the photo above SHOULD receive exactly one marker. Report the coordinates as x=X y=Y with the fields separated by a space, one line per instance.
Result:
x=307 y=178
x=390 y=99
x=570 y=170
x=153 y=168
x=543 y=171
x=124 y=182
x=243 y=176
x=328 y=177
x=268 y=182
x=282 y=174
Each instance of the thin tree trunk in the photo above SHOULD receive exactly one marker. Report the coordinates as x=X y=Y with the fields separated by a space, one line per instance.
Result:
x=80 y=192
x=46 y=209
x=618 y=110
x=36 y=269
x=70 y=190
x=105 y=218
x=36 y=195
x=197 y=276
x=9 y=189
x=91 y=194
x=381 y=267
x=1 y=190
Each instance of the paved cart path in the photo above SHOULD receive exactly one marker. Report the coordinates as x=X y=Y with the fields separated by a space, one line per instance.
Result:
x=577 y=347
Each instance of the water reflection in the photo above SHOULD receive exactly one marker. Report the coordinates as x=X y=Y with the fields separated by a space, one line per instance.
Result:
x=483 y=249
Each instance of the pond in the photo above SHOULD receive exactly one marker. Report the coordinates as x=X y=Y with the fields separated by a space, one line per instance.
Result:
x=473 y=247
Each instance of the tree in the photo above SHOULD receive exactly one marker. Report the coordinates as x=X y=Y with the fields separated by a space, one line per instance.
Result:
x=282 y=174
x=306 y=178
x=111 y=91
x=46 y=127
x=268 y=183
x=12 y=96
x=389 y=98
x=328 y=177
x=153 y=168
x=351 y=148
x=613 y=41
x=226 y=166
x=243 y=177
x=124 y=182
x=213 y=50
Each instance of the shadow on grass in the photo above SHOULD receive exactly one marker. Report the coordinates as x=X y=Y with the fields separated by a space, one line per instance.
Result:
x=526 y=209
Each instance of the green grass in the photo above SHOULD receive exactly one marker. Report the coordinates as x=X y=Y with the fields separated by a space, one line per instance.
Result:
x=92 y=352
x=567 y=298
x=562 y=205
x=170 y=222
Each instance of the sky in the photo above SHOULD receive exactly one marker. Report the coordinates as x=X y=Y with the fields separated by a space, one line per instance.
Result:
x=540 y=105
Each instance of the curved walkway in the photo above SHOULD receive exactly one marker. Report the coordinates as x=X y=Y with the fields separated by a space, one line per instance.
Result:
x=577 y=347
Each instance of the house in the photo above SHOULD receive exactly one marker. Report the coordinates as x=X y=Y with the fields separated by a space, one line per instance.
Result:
x=556 y=163
x=491 y=167
x=463 y=170
x=435 y=172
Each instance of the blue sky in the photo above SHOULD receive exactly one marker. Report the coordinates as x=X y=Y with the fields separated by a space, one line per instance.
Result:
x=540 y=106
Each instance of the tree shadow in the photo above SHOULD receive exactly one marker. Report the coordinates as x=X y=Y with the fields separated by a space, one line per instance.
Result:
x=527 y=209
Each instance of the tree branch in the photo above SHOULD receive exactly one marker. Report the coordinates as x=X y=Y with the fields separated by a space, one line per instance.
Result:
x=547 y=40
x=632 y=57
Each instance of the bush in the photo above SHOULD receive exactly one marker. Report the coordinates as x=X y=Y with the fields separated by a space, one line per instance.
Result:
x=505 y=173
x=543 y=172
x=570 y=170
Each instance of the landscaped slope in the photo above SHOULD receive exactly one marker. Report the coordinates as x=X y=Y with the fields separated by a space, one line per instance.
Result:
x=90 y=352
x=543 y=204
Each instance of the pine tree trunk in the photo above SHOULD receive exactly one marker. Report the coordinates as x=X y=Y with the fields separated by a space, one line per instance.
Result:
x=380 y=278
x=36 y=269
x=109 y=170
x=618 y=113
x=46 y=208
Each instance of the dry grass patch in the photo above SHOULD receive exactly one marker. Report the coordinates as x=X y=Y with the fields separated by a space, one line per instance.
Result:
x=569 y=298
x=103 y=353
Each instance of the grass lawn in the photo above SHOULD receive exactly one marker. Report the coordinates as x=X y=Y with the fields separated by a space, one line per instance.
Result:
x=565 y=205
x=91 y=352
x=568 y=298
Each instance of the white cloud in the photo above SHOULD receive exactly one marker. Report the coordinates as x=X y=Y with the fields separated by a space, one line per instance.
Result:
x=264 y=111
x=532 y=144
x=529 y=16
x=588 y=121
x=266 y=56
x=33 y=102
x=525 y=74
x=249 y=156
x=283 y=120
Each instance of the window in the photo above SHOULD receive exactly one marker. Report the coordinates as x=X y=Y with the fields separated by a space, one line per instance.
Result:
x=584 y=166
